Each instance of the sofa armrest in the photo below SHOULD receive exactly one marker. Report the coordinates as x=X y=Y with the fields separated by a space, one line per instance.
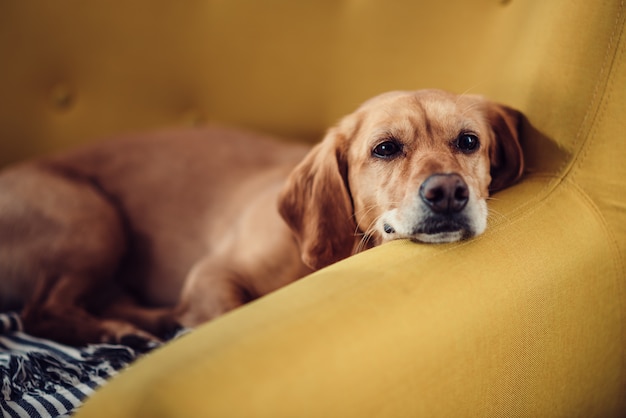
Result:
x=527 y=319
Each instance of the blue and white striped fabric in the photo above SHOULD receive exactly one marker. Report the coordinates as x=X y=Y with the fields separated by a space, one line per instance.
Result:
x=40 y=378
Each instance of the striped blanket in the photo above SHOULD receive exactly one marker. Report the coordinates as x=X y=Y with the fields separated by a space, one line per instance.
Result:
x=40 y=378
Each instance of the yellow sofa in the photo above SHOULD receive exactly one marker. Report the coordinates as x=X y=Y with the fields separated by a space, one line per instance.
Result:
x=527 y=320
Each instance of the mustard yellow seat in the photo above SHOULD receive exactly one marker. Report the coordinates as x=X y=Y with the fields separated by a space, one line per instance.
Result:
x=527 y=320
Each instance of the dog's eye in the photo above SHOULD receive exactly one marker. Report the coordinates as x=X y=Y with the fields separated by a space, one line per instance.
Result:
x=387 y=149
x=467 y=143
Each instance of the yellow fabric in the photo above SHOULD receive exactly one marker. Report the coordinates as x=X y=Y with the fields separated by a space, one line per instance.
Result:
x=526 y=320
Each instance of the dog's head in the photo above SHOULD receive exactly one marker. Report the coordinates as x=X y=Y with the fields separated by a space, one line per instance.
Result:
x=417 y=165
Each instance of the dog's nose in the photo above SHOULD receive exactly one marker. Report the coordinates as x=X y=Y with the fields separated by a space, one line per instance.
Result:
x=444 y=193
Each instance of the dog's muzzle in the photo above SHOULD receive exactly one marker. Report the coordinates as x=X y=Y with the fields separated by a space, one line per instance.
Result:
x=439 y=213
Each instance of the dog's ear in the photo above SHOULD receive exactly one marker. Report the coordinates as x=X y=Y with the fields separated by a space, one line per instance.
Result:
x=506 y=157
x=317 y=206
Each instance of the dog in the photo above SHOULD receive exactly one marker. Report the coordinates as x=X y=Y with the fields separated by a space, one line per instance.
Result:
x=136 y=236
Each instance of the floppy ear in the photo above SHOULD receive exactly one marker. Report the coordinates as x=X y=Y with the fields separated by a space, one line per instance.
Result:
x=507 y=159
x=317 y=206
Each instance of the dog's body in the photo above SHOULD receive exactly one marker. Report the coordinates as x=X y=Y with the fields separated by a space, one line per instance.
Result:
x=132 y=237
x=150 y=213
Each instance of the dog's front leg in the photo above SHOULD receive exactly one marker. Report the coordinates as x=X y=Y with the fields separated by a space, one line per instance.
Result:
x=211 y=289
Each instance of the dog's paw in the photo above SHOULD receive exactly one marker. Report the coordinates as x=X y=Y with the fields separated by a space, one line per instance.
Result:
x=138 y=343
x=119 y=332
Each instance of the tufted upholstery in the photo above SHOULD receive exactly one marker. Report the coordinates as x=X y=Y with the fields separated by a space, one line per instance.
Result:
x=527 y=320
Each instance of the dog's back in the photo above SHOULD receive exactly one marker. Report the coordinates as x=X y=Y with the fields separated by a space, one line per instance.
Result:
x=179 y=192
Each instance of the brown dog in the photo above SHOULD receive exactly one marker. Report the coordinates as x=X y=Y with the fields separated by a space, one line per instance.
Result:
x=131 y=237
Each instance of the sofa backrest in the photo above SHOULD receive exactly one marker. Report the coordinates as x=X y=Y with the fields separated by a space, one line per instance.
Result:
x=73 y=71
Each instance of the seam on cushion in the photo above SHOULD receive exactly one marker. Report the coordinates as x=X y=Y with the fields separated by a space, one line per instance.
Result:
x=616 y=41
x=612 y=240
x=595 y=112
x=537 y=206
x=606 y=85
x=592 y=113
x=551 y=179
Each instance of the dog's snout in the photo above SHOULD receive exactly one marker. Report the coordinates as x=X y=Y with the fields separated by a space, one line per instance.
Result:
x=445 y=193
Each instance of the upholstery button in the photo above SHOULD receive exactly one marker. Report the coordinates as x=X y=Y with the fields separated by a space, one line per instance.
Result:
x=62 y=97
x=193 y=117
